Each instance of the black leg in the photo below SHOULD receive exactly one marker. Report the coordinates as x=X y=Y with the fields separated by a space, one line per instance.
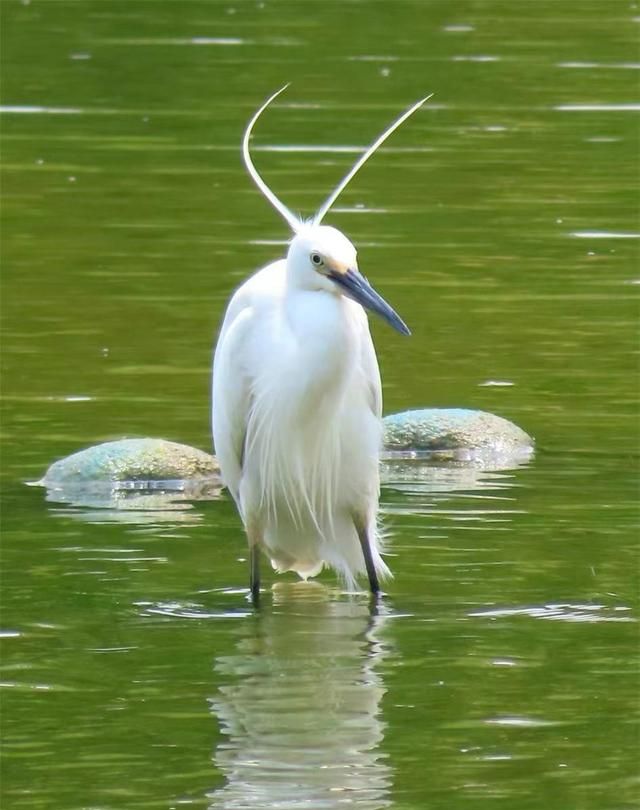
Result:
x=254 y=582
x=368 y=562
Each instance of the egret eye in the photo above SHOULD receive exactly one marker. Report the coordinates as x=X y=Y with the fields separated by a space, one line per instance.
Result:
x=316 y=259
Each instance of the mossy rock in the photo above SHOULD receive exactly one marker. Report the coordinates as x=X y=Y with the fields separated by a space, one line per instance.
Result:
x=454 y=433
x=138 y=463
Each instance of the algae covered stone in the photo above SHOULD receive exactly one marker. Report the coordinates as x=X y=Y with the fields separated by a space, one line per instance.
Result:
x=453 y=431
x=132 y=460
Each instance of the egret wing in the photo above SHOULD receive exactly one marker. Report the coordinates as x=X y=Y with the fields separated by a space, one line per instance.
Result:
x=371 y=370
x=231 y=393
x=230 y=399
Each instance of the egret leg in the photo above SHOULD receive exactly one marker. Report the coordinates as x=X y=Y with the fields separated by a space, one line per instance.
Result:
x=374 y=585
x=254 y=576
x=254 y=538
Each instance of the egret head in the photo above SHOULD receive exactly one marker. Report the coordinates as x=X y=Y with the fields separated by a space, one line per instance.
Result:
x=321 y=257
x=317 y=253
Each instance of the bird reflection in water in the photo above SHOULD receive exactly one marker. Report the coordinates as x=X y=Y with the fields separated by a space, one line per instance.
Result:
x=300 y=709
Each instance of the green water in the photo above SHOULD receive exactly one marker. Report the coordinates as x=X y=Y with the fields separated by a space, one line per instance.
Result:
x=501 y=222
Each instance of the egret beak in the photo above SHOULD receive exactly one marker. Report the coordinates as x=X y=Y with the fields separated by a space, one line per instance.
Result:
x=356 y=286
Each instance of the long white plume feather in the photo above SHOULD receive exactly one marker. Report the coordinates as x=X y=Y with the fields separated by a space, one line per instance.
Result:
x=322 y=211
x=280 y=207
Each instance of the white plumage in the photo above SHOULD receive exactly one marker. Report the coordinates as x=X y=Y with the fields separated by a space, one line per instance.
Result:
x=296 y=419
x=297 y=402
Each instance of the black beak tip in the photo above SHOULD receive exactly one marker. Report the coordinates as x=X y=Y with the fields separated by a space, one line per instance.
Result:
x=400 y=326
x=358 y=288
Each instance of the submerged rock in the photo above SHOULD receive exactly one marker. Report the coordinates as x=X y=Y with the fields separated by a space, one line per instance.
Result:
x=132 y=464
x=455 y=434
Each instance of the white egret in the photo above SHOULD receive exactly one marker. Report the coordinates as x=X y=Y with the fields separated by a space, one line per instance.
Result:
x=297 y=399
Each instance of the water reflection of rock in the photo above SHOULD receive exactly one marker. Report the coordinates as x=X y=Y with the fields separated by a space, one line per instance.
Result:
x=300 y=709
x=167 y=502
x=424 y=474
x=93 y=485
x=176 y=501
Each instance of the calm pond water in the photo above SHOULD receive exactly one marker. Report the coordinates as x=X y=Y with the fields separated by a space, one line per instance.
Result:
x=501 y=221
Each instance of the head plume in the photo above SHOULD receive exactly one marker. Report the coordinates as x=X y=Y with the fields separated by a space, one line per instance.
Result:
x=295 y=222
x=324 y=208
x=280 y=207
